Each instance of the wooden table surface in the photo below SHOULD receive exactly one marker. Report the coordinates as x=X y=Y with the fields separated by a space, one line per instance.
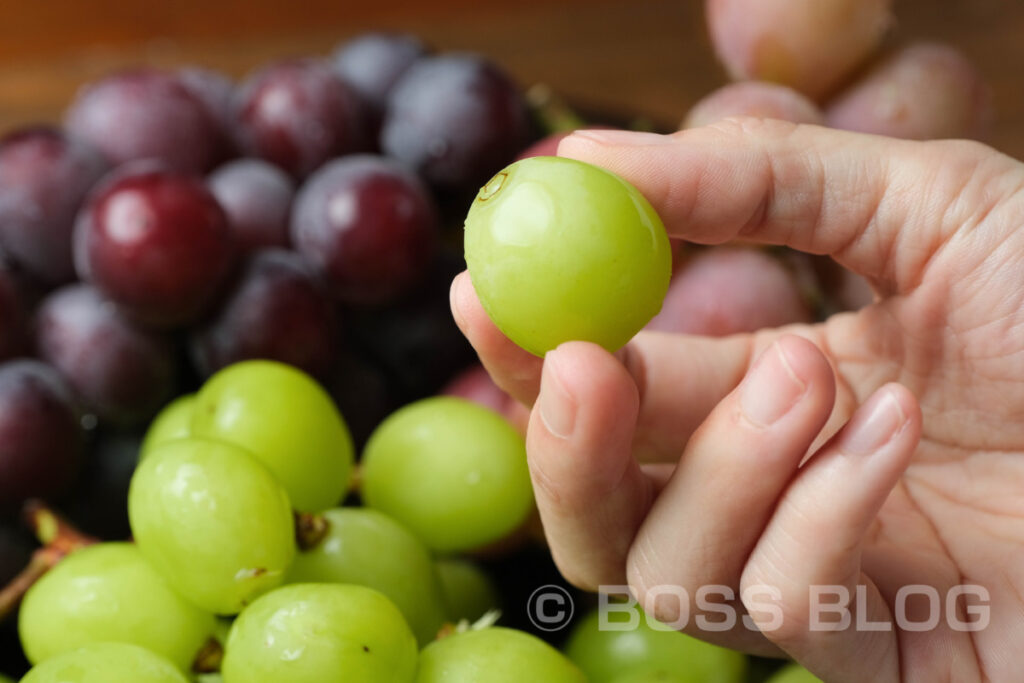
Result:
x=647 y=56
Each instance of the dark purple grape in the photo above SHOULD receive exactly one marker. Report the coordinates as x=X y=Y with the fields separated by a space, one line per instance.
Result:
x=277 y=310
x=13 y=314
x=373 y=62
x=369 y=225
x=215 y=91
x=297 y=114
x=146 y=114
x=120 y=372
x=257 y=197
x=44 y=177
x=98 y=504
x=416 y=341
x=455 y=119
x=41 y=439
x=156 y=243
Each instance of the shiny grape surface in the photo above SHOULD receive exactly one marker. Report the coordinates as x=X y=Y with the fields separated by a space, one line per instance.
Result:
x=109 y=593
x=368 y=225
x=368 y=548
x=320 y=633
x=559 y=250
x=287 y=421
x=213 y=521
x=257 y=198
x=451 y=471
x=156 y=243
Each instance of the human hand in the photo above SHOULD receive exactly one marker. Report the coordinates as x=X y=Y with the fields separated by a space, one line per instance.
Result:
x=900 y=495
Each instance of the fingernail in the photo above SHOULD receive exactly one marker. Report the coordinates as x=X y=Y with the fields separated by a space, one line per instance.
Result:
x=771 y=389
x=873 y=425
x=557 y=407
x=621 y=137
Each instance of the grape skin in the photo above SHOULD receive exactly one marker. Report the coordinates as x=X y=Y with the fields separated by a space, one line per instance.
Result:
x=559 y=250
x=213 y=521
x=172 y=423
x=320 y=633
x=495 y=655
x=287 y=421
x=368 y=548
x=451 y=471
x=467 y=589
x=109 y=593
x=606 y=654
x=106 y=663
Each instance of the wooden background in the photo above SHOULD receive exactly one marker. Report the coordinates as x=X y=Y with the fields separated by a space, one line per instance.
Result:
x=646 y=56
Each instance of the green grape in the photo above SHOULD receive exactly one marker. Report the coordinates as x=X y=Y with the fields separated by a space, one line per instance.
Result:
x=174 y=422
x=5 y=679
x=284 y=418
x=320 y=633
x=606 y=654
x=653 y=677
x=468 y=591
x=105 y=663
x=793 y=673
x=559 y=250
x=368 y=548
x=451 y=471
x=109 y=593
x=213 y=521
x=495 y=655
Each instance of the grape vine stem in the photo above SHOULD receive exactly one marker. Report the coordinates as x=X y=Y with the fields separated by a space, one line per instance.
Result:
x=58 y=538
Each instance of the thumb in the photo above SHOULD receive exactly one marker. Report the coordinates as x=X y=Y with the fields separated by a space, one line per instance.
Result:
x=855 y=197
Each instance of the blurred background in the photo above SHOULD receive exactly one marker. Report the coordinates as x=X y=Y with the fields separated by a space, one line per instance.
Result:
x=649 y=57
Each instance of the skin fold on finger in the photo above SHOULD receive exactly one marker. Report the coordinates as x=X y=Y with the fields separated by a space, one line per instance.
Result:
x=591 y=493
x=867 y=201
x=814 y=540
x=709 y=517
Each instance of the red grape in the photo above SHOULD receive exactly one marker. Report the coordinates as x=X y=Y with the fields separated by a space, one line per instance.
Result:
x=257 y=198
x=155 y=242
x=297 y=115
x=215 y=92
x=369 y=225
x=809 y=45
x=922 y=92
x=120 y=372
x=277 y=310
x=146 y=114
x=40 y=436
x=754 y=98
x=363 y=394
x=727 y=290
x=44 y=177
x=373 y=62
x=456 y=119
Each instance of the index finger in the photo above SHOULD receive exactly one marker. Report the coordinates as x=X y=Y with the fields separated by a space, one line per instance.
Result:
x=856 y=197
